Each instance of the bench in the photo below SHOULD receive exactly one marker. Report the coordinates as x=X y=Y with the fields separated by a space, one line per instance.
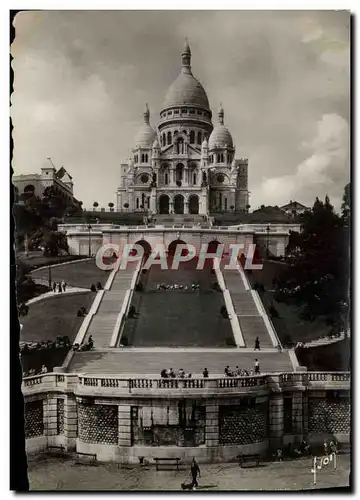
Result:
x=56 y=448
x=168 y=461
x=85 y=458
x=255 y=458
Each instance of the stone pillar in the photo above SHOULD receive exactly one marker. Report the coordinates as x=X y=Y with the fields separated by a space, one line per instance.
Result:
x=153 y=201
x=276 y=420
x=171 y=207
x=297 y=413
x=212 y=424
x=50 y=417
x=124 y=425
x=70 y=421
x=186 y=207
x=305 y=410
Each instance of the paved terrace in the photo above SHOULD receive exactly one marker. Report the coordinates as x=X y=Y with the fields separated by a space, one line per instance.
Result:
x=151 y=361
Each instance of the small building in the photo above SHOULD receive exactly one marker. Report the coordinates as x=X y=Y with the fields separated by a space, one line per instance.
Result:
x=27 y=185
x=294 y=208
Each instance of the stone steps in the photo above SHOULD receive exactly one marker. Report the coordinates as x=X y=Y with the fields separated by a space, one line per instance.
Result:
x=151 y=363
x=252 y=327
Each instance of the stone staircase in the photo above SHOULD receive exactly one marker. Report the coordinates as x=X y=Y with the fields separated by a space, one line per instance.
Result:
x=251 y=322
x=103 y=323
x=152 y=361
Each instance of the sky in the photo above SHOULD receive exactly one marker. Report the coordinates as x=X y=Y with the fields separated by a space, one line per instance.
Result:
x=82 y=79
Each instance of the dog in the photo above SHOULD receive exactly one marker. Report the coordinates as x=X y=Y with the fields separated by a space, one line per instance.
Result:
x=185 y=486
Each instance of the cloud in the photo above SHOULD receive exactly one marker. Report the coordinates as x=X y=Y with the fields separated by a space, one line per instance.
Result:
x=326 y=170
x=82 y=79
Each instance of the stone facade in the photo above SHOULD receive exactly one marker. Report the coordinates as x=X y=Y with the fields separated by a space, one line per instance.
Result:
x=204 y=421
x=188 y=164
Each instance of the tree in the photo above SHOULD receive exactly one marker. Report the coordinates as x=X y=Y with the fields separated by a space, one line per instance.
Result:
x=95 y=205
x=54 y=243
x=126 y=205
x=346 y=203
x=111 y=206
x=317 y=276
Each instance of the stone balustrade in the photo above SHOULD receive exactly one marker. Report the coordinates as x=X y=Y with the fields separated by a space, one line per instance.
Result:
x=112 y=385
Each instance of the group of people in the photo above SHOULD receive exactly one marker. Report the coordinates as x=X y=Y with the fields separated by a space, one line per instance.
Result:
x=163 y=286
x=33 y=372
x=59 y=287
x=170 y=373
x=87 y=346
x=304 y=450
x=243 y=372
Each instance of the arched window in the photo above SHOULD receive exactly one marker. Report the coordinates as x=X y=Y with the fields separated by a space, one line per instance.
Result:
x=142 y=158
x=192 y=137
x=225 y=203
x=199 y=138
x=143 y=200
x=146 y=158
x=137 y=202
x=194 y=179
x=164 y=139
x=220 y=201
x=166 y=178
x=169 y=138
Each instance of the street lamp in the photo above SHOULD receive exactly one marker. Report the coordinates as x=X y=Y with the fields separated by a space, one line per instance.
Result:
x=267 y=241
x=89 y=229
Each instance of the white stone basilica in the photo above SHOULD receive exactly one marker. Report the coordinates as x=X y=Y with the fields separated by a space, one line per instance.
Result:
x=188 y=164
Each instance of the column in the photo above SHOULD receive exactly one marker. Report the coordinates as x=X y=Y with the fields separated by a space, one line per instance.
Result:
x=212 y=424
x=276 y=420
x=70 y=421
x=50 y=417
x=186 y=207
x=124 y=425
x=305 y=401
x=153 y=201
x=297 y=413
x=171 y=207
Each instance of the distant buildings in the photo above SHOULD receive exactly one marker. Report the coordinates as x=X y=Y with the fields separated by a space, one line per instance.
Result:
x=294 y=208
x=27 y=185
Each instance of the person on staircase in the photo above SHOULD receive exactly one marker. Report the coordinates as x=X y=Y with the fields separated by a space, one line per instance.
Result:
x=256 y=367
x=257 y=344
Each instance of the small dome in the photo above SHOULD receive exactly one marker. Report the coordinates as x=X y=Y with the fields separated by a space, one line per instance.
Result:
x=220 y=136
x=145 y=137
x=155 y=144
x=204 y=144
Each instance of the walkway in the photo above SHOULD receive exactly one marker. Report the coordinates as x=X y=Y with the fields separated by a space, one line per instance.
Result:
x=251 y=323
x=103 y=322
x=143 y=362
x=69 y=290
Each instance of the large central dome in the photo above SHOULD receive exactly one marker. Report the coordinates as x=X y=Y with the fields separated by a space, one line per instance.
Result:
x=186 y=89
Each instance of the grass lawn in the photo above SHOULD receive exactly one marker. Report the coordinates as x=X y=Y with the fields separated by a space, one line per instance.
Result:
x=79 y=274
x=54 y=316
x=36 y=258
x=290 y=327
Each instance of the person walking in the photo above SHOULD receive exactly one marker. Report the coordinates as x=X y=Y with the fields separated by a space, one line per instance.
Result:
x=63 y=285
x=256 y=367
x=54 y=286
x=205 y=373
x=257 y=344
x=195 y=471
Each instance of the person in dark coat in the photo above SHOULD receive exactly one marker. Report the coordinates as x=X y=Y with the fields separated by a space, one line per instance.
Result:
x=257 y=344
x=195 y=471
x=205 y=373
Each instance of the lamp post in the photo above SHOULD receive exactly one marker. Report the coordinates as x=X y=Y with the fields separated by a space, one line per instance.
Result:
x=89 y=229
x=267 y=242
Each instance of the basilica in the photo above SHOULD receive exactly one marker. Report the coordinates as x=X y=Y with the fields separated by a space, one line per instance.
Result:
x=186 y=165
